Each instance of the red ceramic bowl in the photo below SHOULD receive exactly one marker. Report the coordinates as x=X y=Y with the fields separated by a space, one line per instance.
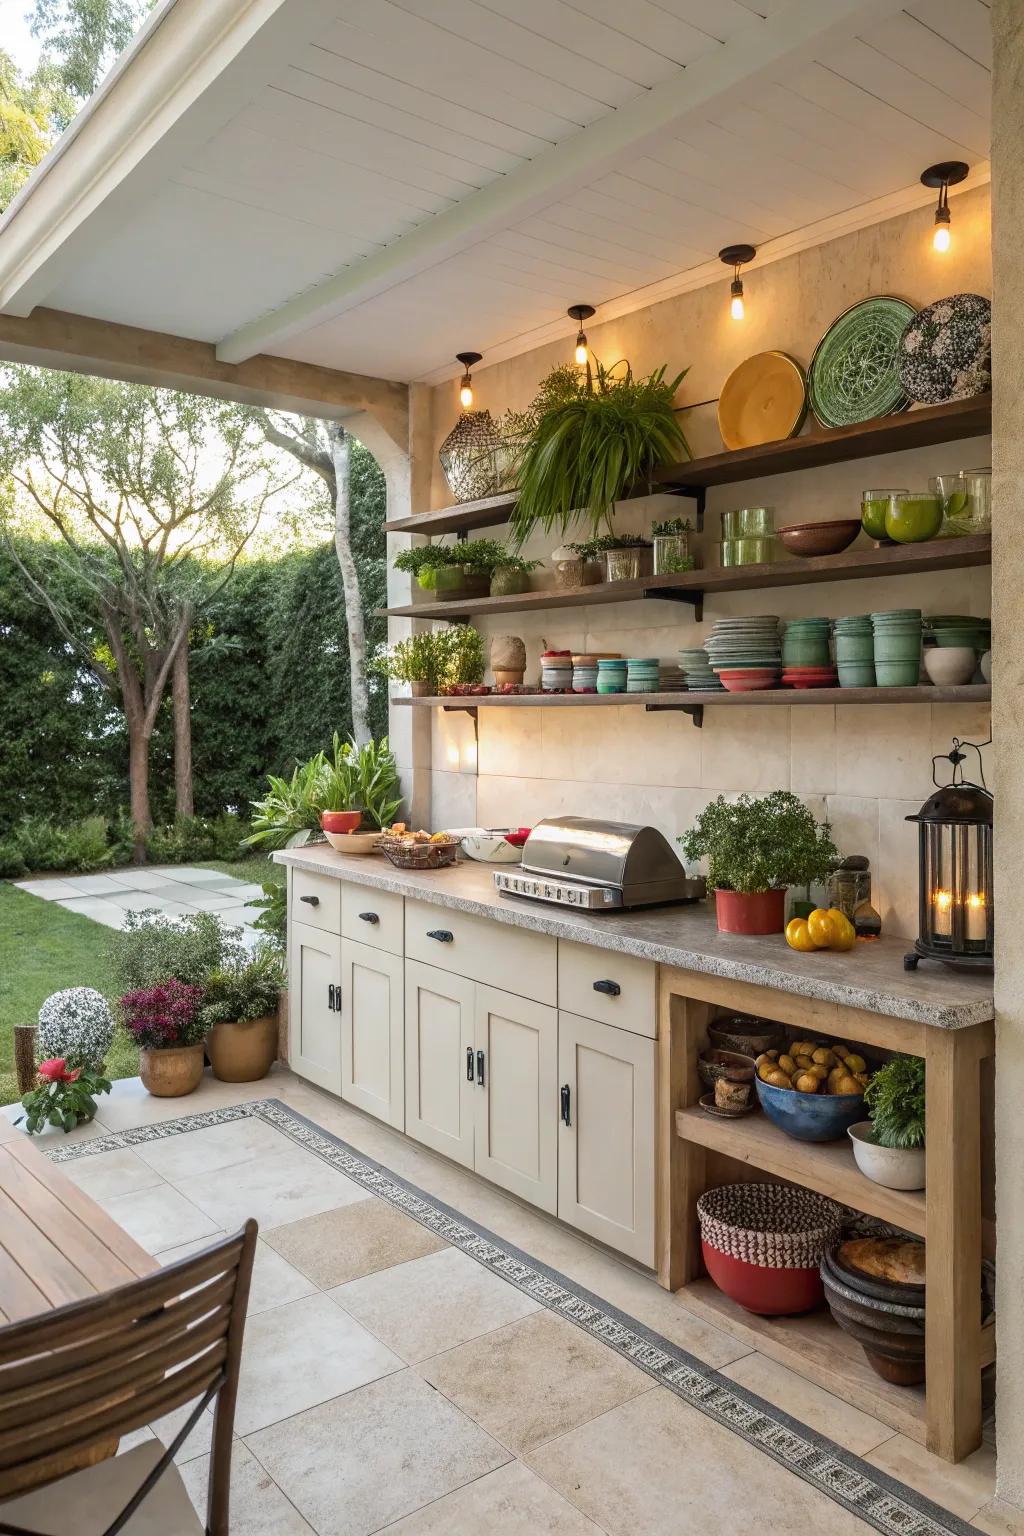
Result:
x=749 y=680
x=340 y=821
x=517 y=836
x=768 y=1292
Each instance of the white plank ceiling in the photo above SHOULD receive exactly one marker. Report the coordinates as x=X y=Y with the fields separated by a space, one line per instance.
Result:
x=401 y=109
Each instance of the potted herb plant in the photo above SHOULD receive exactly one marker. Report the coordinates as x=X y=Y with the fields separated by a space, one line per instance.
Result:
x=671 y=539
x=416 y=660
x=165 y=1023
x=755 y=848
x=577 y=565
x=425 y=562
x=239 y=1011
x=626 y=556
x=463 y=670
x=511 y=574
x=587 y=439
x=889 y=1148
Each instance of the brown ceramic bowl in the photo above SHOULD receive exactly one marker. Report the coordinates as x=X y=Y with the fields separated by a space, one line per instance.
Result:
x=745 y=1035
x=711 y=1065
x=809 y=539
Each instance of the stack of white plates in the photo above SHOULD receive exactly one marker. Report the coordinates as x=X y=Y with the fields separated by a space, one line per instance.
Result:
x=746 y=644
x=696 y=668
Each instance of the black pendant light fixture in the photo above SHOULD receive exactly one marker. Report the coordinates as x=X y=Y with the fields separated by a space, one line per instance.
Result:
x=579 y=313
x=468 y=361
x=736 y=256
x=944 y=175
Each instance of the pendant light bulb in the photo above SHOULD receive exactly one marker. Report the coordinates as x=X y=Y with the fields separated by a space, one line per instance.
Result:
x=579 y=313
x=943 y=177
x=736 y=256
x=467 y=359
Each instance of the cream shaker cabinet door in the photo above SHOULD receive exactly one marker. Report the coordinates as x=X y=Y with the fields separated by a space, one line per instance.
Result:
x=372 y=1031
x=517 y=1095
x=440 y=1060
x=606 y=1134
x=314 y=1005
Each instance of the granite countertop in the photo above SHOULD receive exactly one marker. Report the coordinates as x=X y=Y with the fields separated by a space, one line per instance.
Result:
x=871 y=976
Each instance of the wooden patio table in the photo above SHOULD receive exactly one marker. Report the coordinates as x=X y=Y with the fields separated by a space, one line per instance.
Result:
x=56 y=1244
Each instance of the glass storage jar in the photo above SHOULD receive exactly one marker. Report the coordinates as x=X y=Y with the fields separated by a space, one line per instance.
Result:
x=671 y=553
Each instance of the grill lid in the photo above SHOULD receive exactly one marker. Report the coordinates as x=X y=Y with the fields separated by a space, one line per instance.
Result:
x=612 y=853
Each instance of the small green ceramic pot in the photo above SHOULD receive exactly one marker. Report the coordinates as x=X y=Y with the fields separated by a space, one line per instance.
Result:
x=897 y=674
x=897 y=645
x=854 y=647
x=856 y=674
x=507 y=581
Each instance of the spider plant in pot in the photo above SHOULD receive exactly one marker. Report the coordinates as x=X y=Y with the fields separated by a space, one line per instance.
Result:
x=587 y=440
x=889 y=1148
x=755 y=848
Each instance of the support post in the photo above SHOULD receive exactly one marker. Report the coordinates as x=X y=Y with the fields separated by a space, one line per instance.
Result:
x=680 y=1167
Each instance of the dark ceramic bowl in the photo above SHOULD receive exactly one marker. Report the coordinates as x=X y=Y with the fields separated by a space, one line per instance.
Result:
x=746 y=1036
x=809 y=539
x=711 y=1065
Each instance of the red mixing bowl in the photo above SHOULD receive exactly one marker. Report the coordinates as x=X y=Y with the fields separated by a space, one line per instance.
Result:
x=758 y=1288
x=340 y=821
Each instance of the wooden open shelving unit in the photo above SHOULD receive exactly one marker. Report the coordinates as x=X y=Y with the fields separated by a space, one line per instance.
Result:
x=921 y=428
x=697 y=1151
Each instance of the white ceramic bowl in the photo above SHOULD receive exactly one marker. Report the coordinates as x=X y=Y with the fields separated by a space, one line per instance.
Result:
x=950 y=665
x=893 y=1167
x=353 y=842
x=490 y=848
x=986 y=666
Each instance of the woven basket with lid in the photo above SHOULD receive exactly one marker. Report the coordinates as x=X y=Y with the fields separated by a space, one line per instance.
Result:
x=772 y=1225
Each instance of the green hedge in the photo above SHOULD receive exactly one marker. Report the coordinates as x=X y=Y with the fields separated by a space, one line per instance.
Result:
x=270 y=685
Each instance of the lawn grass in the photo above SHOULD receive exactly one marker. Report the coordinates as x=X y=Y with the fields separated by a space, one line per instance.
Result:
x=43 y=947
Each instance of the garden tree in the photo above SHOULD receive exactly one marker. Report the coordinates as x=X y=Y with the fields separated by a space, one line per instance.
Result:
x=149 y=498
x=82 y=38
x=324 y=449
x=31 y=113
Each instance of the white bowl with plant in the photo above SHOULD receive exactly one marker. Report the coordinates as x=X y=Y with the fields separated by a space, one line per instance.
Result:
x=889 y=1149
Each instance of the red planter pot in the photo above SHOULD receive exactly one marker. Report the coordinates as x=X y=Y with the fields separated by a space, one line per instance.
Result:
x=340 y=821
x=768 y=1292
x=753 y=912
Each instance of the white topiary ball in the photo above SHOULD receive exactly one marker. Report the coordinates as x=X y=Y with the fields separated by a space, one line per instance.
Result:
x=75 y=1024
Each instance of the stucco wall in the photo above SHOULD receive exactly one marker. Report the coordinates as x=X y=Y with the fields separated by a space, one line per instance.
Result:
x=1008 y=721
x=866 y=767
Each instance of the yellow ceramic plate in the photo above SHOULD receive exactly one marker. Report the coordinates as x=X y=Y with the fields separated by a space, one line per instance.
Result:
x=762 y=401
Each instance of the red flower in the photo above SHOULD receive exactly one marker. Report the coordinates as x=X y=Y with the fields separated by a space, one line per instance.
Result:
x=55 y=1071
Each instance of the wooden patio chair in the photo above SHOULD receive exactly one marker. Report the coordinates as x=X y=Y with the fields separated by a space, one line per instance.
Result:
x=74 y=1380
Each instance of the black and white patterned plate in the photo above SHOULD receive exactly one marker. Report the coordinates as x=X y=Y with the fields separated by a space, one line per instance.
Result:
x=945 y=353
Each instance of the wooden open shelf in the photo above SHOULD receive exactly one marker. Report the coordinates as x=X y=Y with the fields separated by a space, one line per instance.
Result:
x=968 y=693
x=827 y=1166
x=887 y=434
x=691 y=587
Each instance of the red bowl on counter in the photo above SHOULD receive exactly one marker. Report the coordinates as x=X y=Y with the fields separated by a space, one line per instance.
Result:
x=517 y=836
x=340 y=821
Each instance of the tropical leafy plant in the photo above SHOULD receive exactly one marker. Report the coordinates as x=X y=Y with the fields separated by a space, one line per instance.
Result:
x=290 y=809
x=245 y=990
x=66 y=1097
x=165 y=1017
x=586 y=440
x=895 y=1101
x=350 y=779
x=759 y=844
x=272 y=907
x=376 y=788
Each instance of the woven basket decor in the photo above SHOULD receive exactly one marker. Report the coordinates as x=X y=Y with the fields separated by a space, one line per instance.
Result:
x=475 y=458
x=853 y=374
x=772 y=1225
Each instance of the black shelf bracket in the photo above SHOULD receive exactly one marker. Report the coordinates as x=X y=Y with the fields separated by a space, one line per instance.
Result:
x=697 y=493
x=466 y=709
x=695 y=711
x=694 y=596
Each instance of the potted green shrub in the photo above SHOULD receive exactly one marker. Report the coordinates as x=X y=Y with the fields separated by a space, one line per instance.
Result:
x=578 y=564
x=755 y=848
x=511 y=574
x=464 y=662
x=671 y=539
x=239 y=1012
x=889 y=1148
x=416 y=660
x=425 y=562
x=363 y=779
x=589 y=438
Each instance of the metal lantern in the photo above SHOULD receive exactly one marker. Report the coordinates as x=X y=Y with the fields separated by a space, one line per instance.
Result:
x=955 y=870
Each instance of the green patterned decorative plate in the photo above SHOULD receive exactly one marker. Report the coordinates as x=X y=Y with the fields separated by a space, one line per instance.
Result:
x=853 y=374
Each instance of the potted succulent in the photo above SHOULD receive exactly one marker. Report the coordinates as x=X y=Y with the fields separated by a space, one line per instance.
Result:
x=239 y=1011
x=589 y=437
x=889 y=1148
x=755 y=848
x=165 y=1023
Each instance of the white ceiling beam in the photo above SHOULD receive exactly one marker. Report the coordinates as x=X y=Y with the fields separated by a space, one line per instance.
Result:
x=192 y=67
x=797 y=31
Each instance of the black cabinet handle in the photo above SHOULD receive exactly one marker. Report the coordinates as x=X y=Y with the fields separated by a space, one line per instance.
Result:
x=564 y=1095
x=609 y=988
x=469 y=1063
x=311 y=901
x=480 y=1068
x=442 y=935
x=369 y=917
x=331 y=989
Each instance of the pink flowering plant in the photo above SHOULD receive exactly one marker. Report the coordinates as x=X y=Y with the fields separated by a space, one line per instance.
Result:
x=65 y=1097
x=164 y=1017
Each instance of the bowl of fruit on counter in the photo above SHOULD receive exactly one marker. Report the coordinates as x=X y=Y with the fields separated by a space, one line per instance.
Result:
x=418 y=850
x=813 y=1090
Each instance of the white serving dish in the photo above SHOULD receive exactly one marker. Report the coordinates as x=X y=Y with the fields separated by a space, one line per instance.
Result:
x=353 y=842
x=892 y=1167
x=949 y=666
x=490 y=847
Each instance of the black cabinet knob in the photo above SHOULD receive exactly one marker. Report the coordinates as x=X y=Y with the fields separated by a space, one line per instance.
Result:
x=442 y=935
x=369 y=917
x=609 y=988
x=311 y=901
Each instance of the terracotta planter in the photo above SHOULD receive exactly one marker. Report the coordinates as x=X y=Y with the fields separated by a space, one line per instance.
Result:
x=421 y=689
x=173 y=1072
x=243 y=1053
x=751 y=912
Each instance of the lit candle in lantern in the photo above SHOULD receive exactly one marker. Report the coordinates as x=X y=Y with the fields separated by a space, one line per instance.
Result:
x=977 y=917
x=942 y=901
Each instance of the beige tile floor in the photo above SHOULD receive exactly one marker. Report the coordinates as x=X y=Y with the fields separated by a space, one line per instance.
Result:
x=390 y=1382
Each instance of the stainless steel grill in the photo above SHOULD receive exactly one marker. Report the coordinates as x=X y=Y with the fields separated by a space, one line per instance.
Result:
x=601 y=865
